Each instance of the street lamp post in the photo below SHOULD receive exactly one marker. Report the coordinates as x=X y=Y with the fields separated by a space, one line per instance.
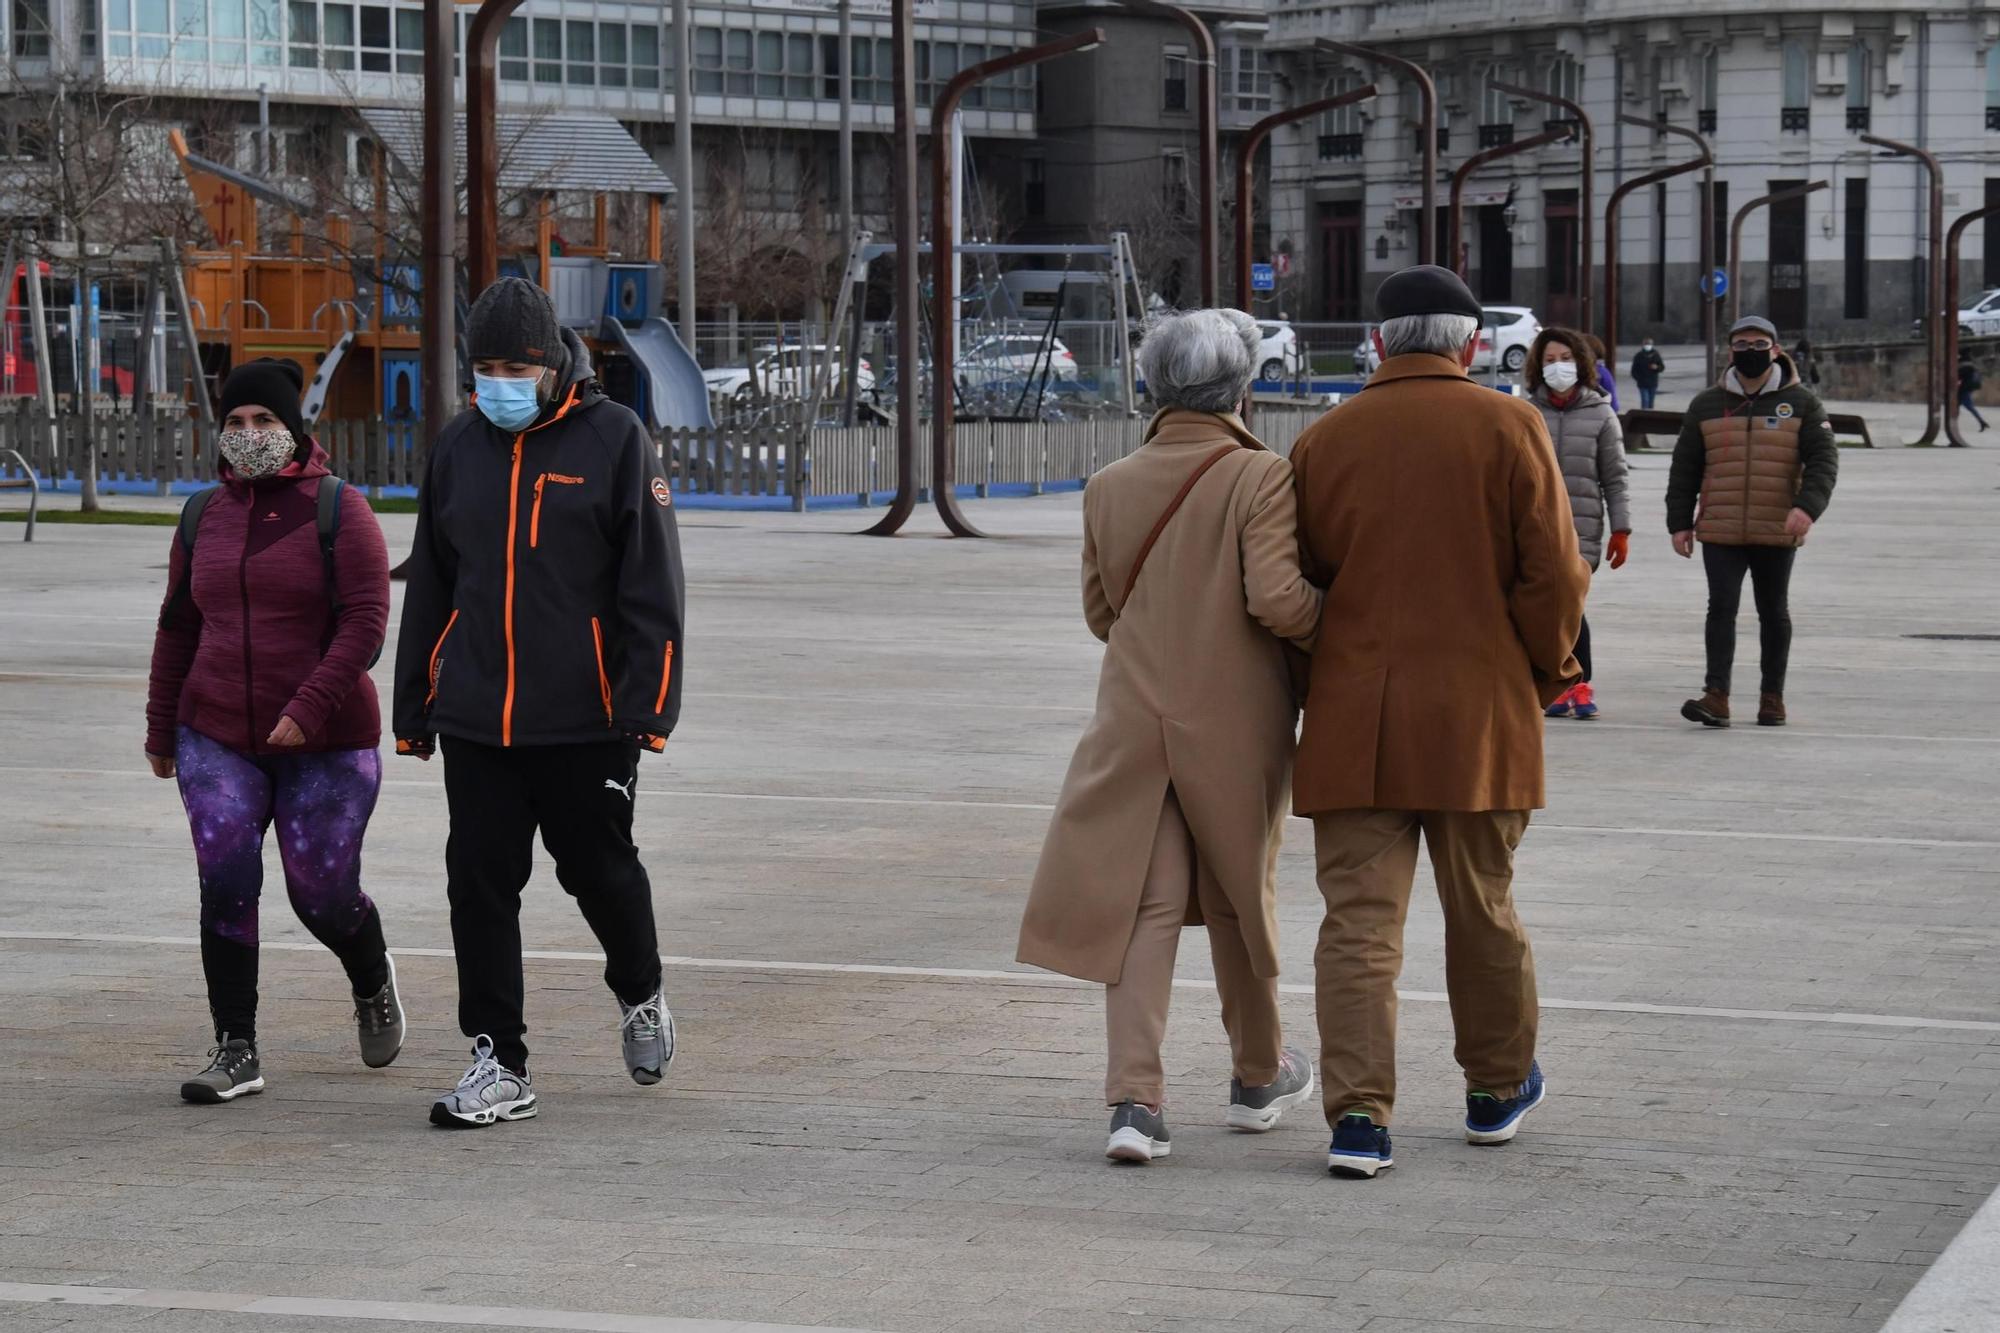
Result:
x=1587 y=139
x=1210 y=153
x=1426 y=130
x=1933 y=281
x=903 y=218
x=1736 y=237
x=944 y=264
x=1474 y=163
x=1951 y=304
x=439 y=216
x=1246 y=166
x=1618 y=197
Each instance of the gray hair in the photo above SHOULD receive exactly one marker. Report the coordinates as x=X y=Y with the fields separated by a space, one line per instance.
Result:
x=1203 y=360
x=1440 y=335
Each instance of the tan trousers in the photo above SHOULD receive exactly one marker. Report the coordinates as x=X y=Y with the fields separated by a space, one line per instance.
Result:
x=1367 y=865
x=1135 y=1009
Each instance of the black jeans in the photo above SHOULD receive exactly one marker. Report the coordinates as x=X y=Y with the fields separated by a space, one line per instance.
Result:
x=581 y=798
x=1770 y=571
x=1583 y=649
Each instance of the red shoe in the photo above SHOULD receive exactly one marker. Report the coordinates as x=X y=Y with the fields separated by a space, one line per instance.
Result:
x=1583 y=701
x=1563 y=704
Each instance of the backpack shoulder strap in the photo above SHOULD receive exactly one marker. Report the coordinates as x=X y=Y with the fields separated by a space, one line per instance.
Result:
x=190 y=521
x=1166 y=516
x=328 y=526
x=185 y=530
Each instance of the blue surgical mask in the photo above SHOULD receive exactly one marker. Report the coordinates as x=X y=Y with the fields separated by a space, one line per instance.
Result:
x=509 y=404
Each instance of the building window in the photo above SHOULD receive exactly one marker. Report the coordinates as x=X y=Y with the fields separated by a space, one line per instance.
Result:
x=1857 y=87
x=1719 y=235
x=1993 y=89
x=28 y=21
x=1496 y=110
x=1174 y=193
x=1857 y=249
x=1035 y=186
x=1795 y=113
x=1340 y=130
x=1174 y=80
x=1565 y=78
x=1443 y=137
x=1708 y=90
x=1244 y=77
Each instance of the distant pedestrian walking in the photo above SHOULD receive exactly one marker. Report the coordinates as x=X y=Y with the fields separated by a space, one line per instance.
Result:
x=1969 y=383
x=1175 y=799
x=1590 y=449
x=541 y=639
x=1753 y=470
x=1605 y=378
x=259 y=703
x=1805 y=361
x=1647 y=367
x=1435 y=511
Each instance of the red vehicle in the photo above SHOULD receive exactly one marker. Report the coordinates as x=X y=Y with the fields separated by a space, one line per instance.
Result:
x=18 y=377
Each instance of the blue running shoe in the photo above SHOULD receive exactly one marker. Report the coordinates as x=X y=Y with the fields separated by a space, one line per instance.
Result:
x=1360 y=1148
x=1491 y=1118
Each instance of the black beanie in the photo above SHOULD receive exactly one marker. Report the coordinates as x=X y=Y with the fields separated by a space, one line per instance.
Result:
x=514 y=320
x=267 y=383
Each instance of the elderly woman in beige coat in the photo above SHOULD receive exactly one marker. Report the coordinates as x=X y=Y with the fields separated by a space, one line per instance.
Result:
x=1172 y=808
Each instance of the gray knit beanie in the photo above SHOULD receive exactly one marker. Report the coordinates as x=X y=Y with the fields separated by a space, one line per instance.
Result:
x=514 y=320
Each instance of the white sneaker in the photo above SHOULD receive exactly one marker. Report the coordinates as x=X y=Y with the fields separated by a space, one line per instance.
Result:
x=489 y=1092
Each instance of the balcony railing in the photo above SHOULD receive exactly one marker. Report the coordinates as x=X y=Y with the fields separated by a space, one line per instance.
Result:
x=1857 y=119
x=1795 y=119
x=1334 y=147
x=1495 y=136
x=1704 y=120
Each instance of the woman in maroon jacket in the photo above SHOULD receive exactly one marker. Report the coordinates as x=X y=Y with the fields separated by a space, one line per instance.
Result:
x=260 y=703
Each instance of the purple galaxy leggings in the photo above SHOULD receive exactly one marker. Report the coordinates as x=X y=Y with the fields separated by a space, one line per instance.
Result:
x=320 y=804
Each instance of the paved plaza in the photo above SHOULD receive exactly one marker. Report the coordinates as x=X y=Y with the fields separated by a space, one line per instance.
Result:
x=1768 y=958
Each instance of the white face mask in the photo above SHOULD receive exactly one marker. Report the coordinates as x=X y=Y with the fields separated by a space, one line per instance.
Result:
x=1560 y=376
x=257 y=453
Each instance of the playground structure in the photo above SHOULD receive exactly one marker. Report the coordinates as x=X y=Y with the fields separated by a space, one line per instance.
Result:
x=350 y=316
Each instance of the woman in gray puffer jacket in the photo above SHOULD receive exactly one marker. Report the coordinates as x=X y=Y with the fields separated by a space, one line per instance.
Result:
x=1590 y=446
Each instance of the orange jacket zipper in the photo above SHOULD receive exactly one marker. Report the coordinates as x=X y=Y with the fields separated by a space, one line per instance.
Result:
x=436 y=649
x=535 y=517
x=513 y=535
x=603 y=681
x=666 y=678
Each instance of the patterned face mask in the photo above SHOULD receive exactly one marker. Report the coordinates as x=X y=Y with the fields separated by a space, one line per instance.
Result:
x=257 y=453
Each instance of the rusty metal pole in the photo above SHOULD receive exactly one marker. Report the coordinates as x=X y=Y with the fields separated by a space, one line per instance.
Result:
x=439 y=220
x=1587 y=140
x=1474 y=163
x=1736 y=238
x=1210 y=151
x=1951 y=304
x=944 y=263
x=482 y=147
x=903 y=218
x=1934 y=311
x=1618 y=197
x=1246 y=167
x=1427 y=96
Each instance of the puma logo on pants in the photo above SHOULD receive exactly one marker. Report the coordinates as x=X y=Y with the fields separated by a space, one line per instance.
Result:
x=623 y=789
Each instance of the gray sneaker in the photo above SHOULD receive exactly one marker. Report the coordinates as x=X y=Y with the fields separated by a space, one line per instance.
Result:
x=1255 y=1110
x=1137 y=1135
x=488 y=1093
x=646 y=1030
x=232 y=1071
x=378 y=1019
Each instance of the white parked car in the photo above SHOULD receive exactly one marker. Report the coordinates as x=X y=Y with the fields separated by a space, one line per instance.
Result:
x=784 y=372
x=1513 y=326
x=1280 y=352
x=1015 y=355
x=1979 y=319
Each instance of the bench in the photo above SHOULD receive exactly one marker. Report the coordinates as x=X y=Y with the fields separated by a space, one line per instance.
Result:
x=1640 y=423
x=27 y=483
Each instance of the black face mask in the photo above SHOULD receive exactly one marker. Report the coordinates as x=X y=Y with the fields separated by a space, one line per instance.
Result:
x=1751 y=363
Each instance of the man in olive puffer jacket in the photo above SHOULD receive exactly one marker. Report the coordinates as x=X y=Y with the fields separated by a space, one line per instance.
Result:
x=1754 y=468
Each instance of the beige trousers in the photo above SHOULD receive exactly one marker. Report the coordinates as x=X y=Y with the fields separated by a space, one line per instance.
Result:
x=1135 y=1009
x=1367 y=866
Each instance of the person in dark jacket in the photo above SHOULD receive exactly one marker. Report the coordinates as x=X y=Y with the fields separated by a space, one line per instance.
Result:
x=1968 y=385
x=541 y=640
x=259 y=702
x=1647 y=367
x=1753 y=470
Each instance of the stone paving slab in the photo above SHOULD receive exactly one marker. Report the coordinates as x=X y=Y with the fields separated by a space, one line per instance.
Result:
x=874 y=732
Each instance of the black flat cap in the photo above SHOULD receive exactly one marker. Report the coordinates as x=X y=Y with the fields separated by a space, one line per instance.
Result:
x=1425 y=289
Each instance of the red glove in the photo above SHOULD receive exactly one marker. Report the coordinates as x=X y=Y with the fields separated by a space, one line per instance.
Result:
x=1618 y=548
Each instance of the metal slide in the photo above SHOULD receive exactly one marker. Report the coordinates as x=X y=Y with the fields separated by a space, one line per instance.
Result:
x=675 y=393
x=322 y=380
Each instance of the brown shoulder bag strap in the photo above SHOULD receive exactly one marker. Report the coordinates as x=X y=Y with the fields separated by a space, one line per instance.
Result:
x=1166 y=516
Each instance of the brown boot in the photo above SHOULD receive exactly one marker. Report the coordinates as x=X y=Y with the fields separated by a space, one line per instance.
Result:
x=1711 y=710
x=1770 y=710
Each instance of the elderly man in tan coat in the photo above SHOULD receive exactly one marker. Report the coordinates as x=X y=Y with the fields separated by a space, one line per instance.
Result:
x=1171 y=811
x=1434 y=512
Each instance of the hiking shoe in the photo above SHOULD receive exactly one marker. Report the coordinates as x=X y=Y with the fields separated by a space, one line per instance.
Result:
x=1360 y=1147
x=489 y=1092
x=646 y=1030
x=378 y=1021
x=1770 y=710
x=1563 y=704
x=1711 y=710
x=1583 y=702
x=1493 y=1118
x=232 y=1071
x=1137 y=1135
x=1258 y=1109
